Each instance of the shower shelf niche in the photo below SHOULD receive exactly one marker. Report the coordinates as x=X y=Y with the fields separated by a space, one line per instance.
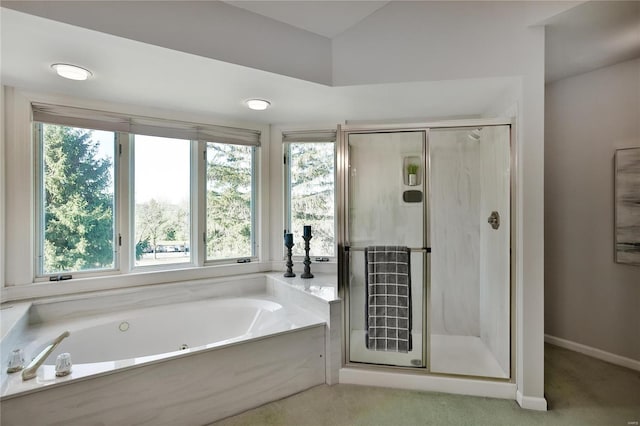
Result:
x=407 y=163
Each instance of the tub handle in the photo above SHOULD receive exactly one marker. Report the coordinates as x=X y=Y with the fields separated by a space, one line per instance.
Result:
x=31 y=371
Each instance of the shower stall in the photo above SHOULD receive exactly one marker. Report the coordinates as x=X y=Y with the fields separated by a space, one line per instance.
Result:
x=440 y=197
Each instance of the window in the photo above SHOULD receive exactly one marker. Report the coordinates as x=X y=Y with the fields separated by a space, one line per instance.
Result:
x=230 y=201
x=118 y=192
x=162 y=200
x=77 y=199
x=310 y=194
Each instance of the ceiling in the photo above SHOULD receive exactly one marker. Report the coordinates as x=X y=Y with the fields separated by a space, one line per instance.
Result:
x=585 y=37
x=591 y=35
x=134 y=73
x=325 y=18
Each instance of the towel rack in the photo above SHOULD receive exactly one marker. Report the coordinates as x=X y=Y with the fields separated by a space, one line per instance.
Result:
x=412 y=249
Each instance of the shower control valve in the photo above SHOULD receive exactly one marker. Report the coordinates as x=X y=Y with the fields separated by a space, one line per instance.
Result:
x=494 y=220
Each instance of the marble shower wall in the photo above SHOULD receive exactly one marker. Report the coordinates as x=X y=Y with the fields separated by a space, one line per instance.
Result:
x=470 y=178
x=494 y=243
x=455 y=232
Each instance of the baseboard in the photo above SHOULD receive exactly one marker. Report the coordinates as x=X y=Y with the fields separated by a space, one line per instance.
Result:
x=593 y=352
x=531 y=402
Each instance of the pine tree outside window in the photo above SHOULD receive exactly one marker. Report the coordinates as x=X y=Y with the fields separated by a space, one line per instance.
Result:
x=76 y=181
x=310 y=194
x=230 y=201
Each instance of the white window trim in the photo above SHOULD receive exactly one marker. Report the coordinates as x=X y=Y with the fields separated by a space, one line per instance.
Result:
x=307 y=136
x=256 y=201
x=129 y=183
x=19 y=278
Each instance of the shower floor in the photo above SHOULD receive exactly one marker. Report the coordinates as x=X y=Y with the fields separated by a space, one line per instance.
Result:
x=360 y=353
x=464 y=355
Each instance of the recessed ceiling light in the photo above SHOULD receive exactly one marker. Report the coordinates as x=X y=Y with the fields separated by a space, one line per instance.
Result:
x=258 y=104
x=71 y=72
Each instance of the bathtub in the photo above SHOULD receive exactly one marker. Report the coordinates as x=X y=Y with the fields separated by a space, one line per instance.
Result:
x=184 y=363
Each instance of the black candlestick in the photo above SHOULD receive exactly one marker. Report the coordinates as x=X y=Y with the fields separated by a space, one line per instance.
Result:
x=288 y=243
x=307 y=261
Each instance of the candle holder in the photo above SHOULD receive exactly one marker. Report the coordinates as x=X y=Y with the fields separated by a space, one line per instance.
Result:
x=288 y=243
x=307 y=261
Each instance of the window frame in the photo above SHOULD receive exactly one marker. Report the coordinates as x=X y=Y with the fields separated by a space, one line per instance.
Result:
x=124 y=209
x=287 y=197
x=255 y=201
x=39 y=210
x=193 y=261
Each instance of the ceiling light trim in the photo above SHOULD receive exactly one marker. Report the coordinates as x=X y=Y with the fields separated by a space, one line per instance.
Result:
x=71 y=72
x=257 y=104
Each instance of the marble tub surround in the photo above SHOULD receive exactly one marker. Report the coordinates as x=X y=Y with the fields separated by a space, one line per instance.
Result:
x=212 y=380
x=14 y=321
x=99 y=346
x=104 y=302
x=320 y=296
x=195 y=389
x=324 y=286
x=328 y=268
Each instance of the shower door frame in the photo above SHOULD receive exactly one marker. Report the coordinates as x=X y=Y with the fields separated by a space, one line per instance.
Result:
x=342 y=162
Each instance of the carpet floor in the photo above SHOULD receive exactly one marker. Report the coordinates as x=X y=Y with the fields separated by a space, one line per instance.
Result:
x=580 y=390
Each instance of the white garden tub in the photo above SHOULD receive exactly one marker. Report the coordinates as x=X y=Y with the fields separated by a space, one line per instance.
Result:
x=186 y=363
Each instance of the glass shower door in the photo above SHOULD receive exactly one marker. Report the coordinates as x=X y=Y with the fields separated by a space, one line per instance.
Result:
x=469 y=230
x=385 y=207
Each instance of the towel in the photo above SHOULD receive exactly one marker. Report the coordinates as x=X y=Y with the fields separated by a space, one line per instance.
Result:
x=388 y=298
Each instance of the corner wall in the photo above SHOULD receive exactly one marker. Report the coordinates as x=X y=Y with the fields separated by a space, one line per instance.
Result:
x=589 y=299
x=509 y=46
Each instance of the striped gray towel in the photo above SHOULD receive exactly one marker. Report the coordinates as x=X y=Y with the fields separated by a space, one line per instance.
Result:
x=388 y=298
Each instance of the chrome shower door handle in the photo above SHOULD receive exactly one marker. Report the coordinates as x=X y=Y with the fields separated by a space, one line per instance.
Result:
x=494 y=220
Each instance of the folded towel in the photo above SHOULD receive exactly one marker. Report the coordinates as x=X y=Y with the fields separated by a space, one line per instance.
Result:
x=388 y=298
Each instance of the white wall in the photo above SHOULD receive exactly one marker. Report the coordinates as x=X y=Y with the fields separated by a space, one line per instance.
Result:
x=589 y=299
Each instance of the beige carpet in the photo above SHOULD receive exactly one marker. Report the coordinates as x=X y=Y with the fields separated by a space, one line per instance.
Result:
x=580 y=391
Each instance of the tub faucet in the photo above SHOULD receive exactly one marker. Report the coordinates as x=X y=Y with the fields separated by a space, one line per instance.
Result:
x=31 y=370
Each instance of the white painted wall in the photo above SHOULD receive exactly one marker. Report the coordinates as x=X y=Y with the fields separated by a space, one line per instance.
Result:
x=589 y=299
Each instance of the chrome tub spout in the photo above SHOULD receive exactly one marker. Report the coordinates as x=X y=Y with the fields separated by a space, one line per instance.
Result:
x=31 y=370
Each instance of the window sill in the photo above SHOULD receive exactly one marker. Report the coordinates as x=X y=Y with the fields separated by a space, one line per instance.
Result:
x=133 y=279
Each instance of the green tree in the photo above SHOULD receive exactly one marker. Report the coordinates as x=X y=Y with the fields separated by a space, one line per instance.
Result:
x=312 y=196
x=78 y=207
x=151 y=221
x=228 y=201
x=157 y=221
